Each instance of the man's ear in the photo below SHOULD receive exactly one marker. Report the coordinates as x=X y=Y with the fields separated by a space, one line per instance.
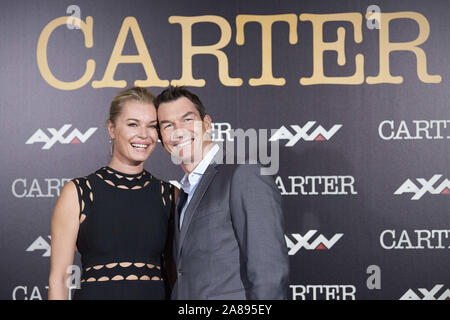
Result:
x=207 y=126
x=111 y=129
x=207 y=123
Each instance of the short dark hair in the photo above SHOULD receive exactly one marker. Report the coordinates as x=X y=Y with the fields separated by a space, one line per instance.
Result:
x=174 y=93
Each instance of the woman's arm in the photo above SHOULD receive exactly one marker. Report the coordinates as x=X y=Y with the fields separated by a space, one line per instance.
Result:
x=65 y=224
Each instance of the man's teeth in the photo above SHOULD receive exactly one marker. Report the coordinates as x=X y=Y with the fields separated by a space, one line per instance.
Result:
x=141 y=146
x=182 y=144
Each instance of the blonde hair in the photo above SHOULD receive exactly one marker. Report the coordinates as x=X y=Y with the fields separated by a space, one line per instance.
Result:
x=137 y=93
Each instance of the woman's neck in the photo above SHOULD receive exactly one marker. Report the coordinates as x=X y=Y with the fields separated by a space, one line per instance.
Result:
x=127 y=168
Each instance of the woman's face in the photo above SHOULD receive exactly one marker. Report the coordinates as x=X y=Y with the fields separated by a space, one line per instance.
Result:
x=134 y=132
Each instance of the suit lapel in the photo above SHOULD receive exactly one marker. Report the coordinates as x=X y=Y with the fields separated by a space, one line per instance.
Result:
x=193 y=204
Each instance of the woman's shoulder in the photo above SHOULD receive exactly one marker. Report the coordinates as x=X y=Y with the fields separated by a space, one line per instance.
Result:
x=84 y=183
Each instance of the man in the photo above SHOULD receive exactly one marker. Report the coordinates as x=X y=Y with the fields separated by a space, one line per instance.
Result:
x=229 y=239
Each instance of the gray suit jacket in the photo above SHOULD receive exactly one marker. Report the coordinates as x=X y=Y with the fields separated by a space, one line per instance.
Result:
x=231 y=244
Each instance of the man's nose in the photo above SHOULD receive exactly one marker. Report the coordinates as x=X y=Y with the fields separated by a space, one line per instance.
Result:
x=179 y=134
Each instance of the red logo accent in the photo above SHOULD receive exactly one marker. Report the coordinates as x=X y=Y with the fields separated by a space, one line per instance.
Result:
x=319 y=138
x=75 y=140
x=321 y=247
x=446 y=191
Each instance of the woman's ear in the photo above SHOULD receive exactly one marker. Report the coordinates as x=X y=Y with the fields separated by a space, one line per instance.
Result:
x=111 y=129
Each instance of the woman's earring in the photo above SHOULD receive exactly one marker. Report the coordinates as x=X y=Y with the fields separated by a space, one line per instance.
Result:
x=111 y=142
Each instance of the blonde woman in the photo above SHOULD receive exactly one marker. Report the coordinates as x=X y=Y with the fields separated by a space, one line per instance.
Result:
x=118 y=216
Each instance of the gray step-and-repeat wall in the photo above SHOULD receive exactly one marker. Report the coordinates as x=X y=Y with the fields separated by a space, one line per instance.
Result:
x=356 y=93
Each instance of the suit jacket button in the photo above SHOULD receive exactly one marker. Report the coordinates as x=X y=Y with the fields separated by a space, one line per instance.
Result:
x=180 y=273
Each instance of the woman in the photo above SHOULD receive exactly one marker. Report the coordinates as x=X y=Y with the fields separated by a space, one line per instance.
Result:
x=117 y=217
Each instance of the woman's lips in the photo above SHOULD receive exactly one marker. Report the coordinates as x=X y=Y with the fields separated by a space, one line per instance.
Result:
x=139 y=147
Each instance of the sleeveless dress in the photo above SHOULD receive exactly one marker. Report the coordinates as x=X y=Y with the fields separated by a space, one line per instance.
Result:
x=123 y=235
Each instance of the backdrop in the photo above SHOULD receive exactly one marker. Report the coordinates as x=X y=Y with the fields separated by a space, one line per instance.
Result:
x=356 y=94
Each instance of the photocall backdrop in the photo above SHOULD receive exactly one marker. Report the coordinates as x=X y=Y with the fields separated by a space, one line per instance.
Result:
x=356 y=92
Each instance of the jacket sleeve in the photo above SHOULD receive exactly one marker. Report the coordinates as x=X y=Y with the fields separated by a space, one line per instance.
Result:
x=258 y=222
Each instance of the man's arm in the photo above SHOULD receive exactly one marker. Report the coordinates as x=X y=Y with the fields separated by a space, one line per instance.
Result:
x=258 y=222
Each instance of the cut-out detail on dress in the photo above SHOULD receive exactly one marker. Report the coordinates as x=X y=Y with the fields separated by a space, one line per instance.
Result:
x=125 y=264
x=140 y=265
x=85 y=197
x=120 y=270
x=124 y=181
x=110 y=182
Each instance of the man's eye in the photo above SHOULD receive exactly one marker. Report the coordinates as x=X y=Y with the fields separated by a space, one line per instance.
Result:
x=167 y=126
x=187 y=119
x=132 y=124
x=152 y=126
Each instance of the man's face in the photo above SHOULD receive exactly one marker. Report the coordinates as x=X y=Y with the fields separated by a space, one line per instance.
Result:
x=183 y=132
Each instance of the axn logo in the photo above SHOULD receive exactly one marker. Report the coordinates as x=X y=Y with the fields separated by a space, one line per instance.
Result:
x=320 y=243
x=424 y=186
x=298 y=133
x=75 y=136
x=438 y=292
x=40 y=244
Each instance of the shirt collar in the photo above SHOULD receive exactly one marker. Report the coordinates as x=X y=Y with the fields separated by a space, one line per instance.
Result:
x=187 y=180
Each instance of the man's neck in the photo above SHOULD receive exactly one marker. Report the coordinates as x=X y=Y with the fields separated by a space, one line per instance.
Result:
x=189 y=167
